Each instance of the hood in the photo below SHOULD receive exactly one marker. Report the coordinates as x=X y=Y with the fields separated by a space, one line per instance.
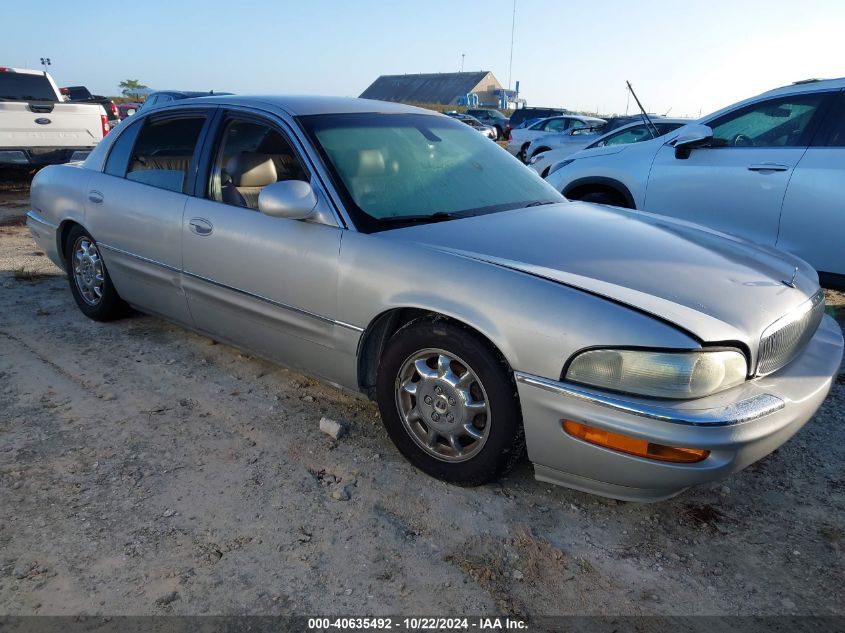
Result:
x=717 y=287
x=607 y=150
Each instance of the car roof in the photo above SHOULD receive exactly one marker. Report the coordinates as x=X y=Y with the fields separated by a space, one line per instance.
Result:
x=301 y=105
x=188 y=93
x=580 y=117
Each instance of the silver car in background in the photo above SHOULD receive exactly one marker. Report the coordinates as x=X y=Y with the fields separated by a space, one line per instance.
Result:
x=396 y=252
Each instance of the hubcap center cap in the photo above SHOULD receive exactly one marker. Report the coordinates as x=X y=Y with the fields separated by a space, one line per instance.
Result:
x=441 y=405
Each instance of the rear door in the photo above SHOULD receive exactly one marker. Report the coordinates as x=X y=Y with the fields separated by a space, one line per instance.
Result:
x=738 y=184
x=134 y=208
x=265 y=283
x=813 y=216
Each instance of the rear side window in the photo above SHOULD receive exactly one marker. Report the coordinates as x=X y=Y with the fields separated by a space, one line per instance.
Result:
x=832 y=130
x=163 y=152
x=782 y=122
x=122 y=150
x=25 y=87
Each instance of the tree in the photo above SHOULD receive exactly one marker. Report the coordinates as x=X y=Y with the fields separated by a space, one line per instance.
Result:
x=132 y=88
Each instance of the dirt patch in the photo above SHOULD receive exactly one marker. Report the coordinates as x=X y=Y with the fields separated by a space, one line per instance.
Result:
x=147 y=470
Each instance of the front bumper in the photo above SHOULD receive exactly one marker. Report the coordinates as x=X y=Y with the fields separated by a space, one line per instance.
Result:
x=738 y=426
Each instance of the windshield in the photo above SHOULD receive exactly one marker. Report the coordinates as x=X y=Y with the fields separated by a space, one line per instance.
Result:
x=25 y=87
x=417 y=167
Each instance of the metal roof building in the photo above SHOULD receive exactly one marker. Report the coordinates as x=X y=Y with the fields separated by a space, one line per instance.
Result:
x=443 y=88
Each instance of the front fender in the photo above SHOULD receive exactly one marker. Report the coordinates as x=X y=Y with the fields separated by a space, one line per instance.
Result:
x=536 y=324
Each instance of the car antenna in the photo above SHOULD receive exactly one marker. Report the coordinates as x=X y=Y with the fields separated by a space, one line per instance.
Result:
x=651 y=125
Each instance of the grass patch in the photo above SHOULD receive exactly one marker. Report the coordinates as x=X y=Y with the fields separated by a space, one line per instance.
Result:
x=22 y=274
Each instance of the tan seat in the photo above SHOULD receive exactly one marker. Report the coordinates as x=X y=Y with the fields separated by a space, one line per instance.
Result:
x=248 y=173
x=169 y=163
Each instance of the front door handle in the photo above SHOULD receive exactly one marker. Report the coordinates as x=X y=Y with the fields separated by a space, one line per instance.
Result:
x=768 y=167
x=95 y=196
x=201 y=226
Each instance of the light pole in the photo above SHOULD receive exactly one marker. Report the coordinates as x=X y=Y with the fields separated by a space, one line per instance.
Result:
x=462 y=61
x=513 y=27
x=45 y=61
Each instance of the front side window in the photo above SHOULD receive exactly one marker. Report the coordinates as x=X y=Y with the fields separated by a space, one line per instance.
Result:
x=395 y=169
x=782 y=122
x=251 y=155
x=631 y=135
x=557 y=125
x=164 y=150
x=832 y=130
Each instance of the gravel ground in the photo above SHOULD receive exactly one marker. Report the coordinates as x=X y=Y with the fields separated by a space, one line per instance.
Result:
x=147 y=470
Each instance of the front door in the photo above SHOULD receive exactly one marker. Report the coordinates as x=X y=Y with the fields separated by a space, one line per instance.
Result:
x=813 y=217
x=737 y=184
x=264 y=283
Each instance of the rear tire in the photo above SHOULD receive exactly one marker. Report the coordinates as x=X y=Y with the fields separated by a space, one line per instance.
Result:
x=449 y=402
x=521 y=154
x=90 y=284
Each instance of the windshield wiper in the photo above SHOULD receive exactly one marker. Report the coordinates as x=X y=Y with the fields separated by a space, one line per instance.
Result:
x=539 y=203
x=440 y=216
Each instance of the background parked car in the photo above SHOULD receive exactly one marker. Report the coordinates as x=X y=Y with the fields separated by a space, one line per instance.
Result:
x=81 y=94
x=491 y=117
x=125 y=110
x=520 y=116
x=546 y=162
x=521 y=138
x=475 y=124
x=165 y=96
x=770 y=169
x=579 y=138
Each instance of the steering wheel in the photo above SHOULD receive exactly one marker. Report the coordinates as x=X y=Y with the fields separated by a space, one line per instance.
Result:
x=742 y=140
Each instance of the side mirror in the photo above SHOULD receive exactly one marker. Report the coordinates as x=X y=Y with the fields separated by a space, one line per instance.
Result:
x=291 y=199
x=691 y=137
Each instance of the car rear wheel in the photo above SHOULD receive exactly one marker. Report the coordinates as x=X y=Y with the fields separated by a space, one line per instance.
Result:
x=449 y=403
x=90 y=284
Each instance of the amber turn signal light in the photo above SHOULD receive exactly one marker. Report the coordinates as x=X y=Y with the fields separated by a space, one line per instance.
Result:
x=633 y=445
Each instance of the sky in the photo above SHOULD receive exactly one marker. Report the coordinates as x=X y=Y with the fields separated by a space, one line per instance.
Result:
x=683 y=57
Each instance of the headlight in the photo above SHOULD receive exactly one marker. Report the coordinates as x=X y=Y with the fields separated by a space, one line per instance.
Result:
x=660 y=374
x=557 y=166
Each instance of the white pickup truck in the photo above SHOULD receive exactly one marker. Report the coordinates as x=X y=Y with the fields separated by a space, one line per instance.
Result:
x=37 y=127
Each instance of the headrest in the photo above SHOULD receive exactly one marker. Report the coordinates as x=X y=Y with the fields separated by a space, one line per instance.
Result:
x=248 y=169
x=370 y=163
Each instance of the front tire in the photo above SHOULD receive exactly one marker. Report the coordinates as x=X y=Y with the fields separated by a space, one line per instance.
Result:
x=90 y=284
x=449 y=402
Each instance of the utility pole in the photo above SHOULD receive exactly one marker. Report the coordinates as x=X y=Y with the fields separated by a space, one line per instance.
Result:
x=513 y=26
x=462 y=61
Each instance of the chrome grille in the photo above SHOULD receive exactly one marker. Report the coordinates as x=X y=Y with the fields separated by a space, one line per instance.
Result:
x=786 y=337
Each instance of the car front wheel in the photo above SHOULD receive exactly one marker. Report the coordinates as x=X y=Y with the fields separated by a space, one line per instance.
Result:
x=89 y=280
x=449 y=403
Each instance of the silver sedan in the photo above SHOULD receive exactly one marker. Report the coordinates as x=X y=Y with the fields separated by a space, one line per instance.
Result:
x=398 y=253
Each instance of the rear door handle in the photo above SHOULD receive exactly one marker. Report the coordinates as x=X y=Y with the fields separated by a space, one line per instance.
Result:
x=768 y=167
x=201 y=226
x=95 y=196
